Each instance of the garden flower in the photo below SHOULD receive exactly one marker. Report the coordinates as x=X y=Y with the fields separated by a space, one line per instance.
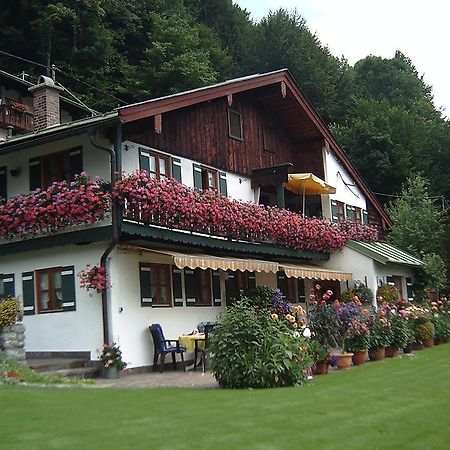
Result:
x=274 y=316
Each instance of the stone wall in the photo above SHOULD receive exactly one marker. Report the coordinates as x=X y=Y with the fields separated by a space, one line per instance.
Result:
x=12 y=342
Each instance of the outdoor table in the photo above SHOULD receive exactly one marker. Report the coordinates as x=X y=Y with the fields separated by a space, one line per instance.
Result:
x=194 y=343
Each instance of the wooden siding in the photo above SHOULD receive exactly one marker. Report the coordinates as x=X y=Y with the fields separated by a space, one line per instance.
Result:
x=200 y=132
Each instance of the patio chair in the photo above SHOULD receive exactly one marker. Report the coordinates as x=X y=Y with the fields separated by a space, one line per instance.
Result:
x=163 y=346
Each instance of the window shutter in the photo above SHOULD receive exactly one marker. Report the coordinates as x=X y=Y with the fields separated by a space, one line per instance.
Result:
x=251 y=280
x=409 y=289
x=145 y=284
x=217 y=294
x=390 y=281
x=177 y=287
x=189 y=280
x=365 y=218
x=144 y=163
x=223 y=183
x=28 y=293
x=301 y=290
x=3 y=181
x=8 y=285
x=334 y=212
x=35 y=173
x=282 y=282
x=231 y=287
x=176 y=169
x=198 y=179
x=76 y=162
x=68 y=288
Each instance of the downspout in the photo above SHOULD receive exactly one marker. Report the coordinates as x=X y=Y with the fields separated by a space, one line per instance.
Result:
x=114 y=154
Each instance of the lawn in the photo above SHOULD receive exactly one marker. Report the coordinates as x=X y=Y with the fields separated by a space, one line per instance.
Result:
x=401 y=403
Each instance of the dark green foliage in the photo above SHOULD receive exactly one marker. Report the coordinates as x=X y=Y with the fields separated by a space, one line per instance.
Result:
x=423 y=329
x=250 y=349
x=400 y=334
x=324 y=324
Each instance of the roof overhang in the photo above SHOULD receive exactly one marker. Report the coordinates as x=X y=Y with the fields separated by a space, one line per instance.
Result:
x=384 y=253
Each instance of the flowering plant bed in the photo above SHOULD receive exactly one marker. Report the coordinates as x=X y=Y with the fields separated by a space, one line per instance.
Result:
x=111 y=356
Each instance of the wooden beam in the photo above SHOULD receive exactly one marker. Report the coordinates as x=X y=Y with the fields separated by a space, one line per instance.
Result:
x=230 y=99
x=283 y=89
x=158 y=123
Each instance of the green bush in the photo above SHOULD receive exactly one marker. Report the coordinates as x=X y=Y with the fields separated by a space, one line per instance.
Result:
x=400 y=335
x=251 y=349
x=423 y=329
x=387 y=294
x=364 y=294
x=441 y=324
x=9 y=312
x=324 y=324
x=380 y=331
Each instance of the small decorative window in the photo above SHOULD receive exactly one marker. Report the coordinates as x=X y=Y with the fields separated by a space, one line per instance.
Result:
x=156 y=164
x=235 y=125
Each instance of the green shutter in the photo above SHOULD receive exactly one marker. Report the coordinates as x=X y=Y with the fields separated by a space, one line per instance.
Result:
x=28 y=293
x=8 y=285
x=231 y=288
x=282 y=282
x=223 y=183
x=177 y=287
x=301 y=290
x=68 y=288
x=76 y=161
x=176 y=169
x=189 y=282
x=145 y=284
x=409 y=289
x=365 y=217
x=217 y=294
x=35 y=173
x=198 y=178
x=251 y=280
x=3 y=181
x=334 y=212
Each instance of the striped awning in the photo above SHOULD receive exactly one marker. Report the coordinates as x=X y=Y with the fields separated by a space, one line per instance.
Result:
x=313 y=272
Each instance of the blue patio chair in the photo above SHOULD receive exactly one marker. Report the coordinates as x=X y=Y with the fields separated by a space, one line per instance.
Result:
x=163 y=346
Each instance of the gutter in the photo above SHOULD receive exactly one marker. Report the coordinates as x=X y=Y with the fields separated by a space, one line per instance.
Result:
x=115 y=164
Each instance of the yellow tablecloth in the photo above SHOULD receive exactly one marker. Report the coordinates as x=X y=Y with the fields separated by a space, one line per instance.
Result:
x=189 y=341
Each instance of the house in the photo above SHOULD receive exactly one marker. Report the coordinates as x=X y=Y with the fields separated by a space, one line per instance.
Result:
x=256 y=140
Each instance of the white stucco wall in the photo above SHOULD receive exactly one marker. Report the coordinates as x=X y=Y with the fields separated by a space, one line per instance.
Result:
x=95 y=161
x=238 y=186
x=79 y=330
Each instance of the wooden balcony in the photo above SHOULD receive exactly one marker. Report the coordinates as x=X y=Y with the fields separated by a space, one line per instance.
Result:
x=22 y=121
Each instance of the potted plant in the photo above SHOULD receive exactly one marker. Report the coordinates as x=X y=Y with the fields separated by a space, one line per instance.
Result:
x=379 y=337
x=324 y=324
x=321 y=357
x=111 y=360
x=357 y=341
x=424 y=331
x=399 y=336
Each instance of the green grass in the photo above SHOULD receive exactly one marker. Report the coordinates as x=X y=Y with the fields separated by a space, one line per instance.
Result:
x=401 y=403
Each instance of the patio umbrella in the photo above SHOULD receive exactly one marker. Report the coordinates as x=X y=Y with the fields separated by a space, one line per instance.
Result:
x=307 y=184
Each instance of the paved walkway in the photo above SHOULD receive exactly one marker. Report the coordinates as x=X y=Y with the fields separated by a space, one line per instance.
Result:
x=189 y=379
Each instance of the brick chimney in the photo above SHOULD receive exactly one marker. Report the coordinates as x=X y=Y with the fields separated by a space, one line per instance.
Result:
x=45 y=103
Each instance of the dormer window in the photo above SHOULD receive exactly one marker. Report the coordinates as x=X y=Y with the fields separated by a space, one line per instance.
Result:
x=235 y=125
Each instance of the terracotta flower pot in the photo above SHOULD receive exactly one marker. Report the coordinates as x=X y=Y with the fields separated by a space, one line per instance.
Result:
x=428 y=343
x=391 y=352
x=320 y=369
x=359 y=357
x=344 y=360
x=377 y=354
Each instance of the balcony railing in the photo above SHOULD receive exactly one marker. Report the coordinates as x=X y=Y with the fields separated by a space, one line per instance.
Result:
x=19 y=119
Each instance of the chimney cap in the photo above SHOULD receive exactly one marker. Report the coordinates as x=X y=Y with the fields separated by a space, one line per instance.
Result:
x=45 y=81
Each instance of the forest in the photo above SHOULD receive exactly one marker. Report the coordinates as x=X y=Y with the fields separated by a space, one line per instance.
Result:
x=113 y=52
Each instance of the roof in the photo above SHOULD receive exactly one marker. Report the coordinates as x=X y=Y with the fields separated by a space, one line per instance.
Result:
x=57 y=131
x=384 y=253
x=278 y=91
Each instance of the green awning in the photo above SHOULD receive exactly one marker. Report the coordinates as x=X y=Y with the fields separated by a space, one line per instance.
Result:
x=384 y=253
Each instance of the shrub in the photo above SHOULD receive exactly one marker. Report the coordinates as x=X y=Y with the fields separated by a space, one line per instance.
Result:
x=318 y=352
x=400 y=334
x=9 y=312
x=423 y=329
x=387 y=294
x=357 y=338
x=251 y=349
x=441 y=324
x=324 y=324
x=359 y=292
x=379 y=333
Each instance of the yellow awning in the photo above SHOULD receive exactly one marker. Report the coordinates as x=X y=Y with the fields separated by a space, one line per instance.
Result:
x=202 y=261
x=307 y=184
x=313 y=272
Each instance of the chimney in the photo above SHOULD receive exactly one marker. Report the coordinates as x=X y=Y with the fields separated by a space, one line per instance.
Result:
x=45 y=103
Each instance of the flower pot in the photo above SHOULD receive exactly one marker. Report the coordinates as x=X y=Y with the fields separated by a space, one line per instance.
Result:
x=391 y=352
x=417 y=346
x=111 y=373
x=344 y=360
x=437 y=341
x=428 y=343
x=320 y=369
x=359 y=357
x=408 y=348
x=377 y=354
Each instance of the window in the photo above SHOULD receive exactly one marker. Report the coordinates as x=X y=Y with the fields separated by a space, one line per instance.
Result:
x=351 y=213
x=49 y=290
x=337 y=211
x=156 y=284
x=292 y=288
x=156 y=164
x=235 y=125
x=238 y=281
x=358 y=215
x=269 y=138
x=6 y=285
x=3 y=181
x=62 y=166
x=207 y=178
